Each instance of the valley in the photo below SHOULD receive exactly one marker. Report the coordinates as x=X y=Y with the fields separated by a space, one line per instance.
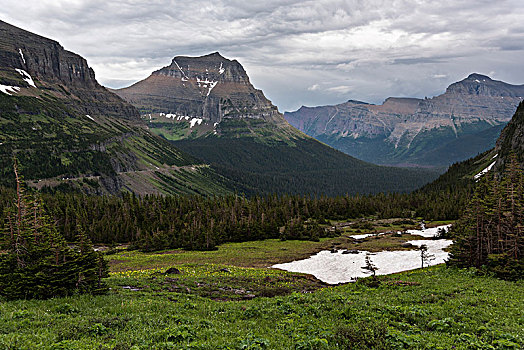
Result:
x=184 y=211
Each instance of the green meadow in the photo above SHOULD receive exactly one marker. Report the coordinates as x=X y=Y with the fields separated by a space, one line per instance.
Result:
x=230 y=299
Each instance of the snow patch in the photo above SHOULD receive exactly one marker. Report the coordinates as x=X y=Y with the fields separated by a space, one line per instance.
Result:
x=27 y=78
x=206 y=84
x=221 y=70
x=21 y=55
x=6 y=89
x=87 y=115
x=428 y=232
x=194 y=121
x=365 y=235
x=337 y=267
x=180 y=69
x=484 y=171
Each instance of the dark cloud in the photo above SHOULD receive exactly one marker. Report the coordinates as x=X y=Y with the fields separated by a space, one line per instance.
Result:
x=304 y=52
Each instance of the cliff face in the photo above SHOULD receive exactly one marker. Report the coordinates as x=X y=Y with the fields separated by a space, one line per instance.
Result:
x=456 y=125
x=210 y=89
x=55 y=71
x=68 y=131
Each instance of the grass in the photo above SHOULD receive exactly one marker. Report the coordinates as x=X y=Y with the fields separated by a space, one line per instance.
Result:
x=228 y=299
x=258 y=254
x=440 y=309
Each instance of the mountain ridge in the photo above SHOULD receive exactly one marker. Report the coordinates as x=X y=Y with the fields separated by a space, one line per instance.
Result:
x=406 y=130
x=70 y=132
x=207 y=89
x=246 y=137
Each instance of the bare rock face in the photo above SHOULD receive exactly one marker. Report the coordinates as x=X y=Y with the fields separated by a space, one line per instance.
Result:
x=409 y=131
x=56 y=71
x=209 y=87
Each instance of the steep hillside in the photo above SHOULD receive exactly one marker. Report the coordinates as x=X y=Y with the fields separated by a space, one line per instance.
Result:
x=208 y=108
x=511 y=139
x=196 y=96
x=451 y=127
x=466 y=173
x=68 y=131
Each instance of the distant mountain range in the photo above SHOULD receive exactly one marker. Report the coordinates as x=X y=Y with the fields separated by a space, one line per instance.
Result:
x=466 y=173
x=462 y=122
x=208 y=108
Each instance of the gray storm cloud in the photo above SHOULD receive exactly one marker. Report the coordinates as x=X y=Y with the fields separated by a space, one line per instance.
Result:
x=298 y=52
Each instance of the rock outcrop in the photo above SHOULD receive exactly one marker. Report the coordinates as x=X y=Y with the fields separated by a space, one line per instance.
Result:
x=210 y=87
x=57 y=72
x=511 y=140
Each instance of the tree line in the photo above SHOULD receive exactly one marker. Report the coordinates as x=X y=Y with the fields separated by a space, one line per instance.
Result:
x=194 y=222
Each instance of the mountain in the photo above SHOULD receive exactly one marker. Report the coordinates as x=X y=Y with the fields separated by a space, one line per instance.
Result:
x=68 y=131
x=511 y=140
x=208 y=95
x=462 y=122
x=466 y=173
x=208 y=107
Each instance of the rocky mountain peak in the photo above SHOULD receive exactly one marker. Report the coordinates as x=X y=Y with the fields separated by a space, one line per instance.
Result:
x=480 y=77
x=207 y=71
x=482 y=85
x=210 y=87
x=34 y=65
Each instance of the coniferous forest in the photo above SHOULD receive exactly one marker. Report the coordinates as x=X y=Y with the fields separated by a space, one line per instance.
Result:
x=194 y=222
x=490 y=233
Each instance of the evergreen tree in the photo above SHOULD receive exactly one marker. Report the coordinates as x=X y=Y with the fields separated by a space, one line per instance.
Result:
x=489 y=234
x=37 y=262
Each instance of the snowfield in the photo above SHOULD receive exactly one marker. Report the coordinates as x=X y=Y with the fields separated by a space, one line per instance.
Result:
x=337 y=267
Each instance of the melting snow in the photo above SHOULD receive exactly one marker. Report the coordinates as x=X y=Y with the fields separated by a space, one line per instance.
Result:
x=26 y=77
x=485 y=170
x=206 y=84
x=341 y=268
x=365 y=235
x=193 y=121
x=185 y=76
x=429 y=232
x=221 y=69
x=21 y=55
x=87 y=115
x=6 y=89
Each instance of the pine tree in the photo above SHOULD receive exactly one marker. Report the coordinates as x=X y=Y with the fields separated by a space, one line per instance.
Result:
x=489 y=234
x=37 y=262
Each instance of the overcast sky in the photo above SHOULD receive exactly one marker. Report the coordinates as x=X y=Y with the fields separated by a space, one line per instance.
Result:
x=298 y=52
